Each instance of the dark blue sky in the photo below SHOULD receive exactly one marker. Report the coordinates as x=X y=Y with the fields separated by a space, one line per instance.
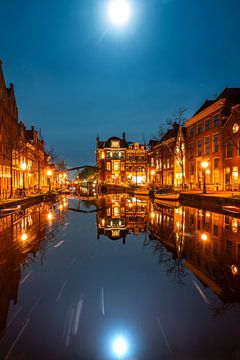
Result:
x=74 y=86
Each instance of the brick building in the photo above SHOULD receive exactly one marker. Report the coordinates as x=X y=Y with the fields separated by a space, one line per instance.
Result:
x=207 y=131
x=22 y=155
x=121 y=162
x=167 y=159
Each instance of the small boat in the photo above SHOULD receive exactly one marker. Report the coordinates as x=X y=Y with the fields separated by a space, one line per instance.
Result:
x=144 y=192
x=9 y=211
x=167 y=203
x=232 y=209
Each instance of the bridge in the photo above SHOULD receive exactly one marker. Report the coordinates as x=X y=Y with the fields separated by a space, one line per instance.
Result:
x=83 y=167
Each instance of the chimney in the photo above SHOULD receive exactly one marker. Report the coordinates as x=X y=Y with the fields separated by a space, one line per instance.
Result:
x=124 y=136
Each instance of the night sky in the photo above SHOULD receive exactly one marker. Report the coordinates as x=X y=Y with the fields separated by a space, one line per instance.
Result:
x=76 y=76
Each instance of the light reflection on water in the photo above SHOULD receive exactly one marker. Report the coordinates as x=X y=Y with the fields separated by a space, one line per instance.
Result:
x=78 y=271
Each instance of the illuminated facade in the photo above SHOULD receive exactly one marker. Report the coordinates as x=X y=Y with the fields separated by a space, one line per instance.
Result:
x=121 y=162
x=206 y=243
x=136 y=164
x=22 y=158
x=211 y=139
x=121 y=215
x=167 y=159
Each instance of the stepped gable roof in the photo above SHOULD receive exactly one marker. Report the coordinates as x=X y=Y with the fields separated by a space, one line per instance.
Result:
x=107 y=144
x=232 y=96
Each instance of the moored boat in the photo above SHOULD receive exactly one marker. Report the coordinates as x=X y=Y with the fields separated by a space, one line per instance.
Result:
x=232 y=209
x=9 y=210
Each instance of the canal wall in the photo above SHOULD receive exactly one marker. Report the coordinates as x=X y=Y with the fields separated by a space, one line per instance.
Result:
x=208 y=202
x=25 y=202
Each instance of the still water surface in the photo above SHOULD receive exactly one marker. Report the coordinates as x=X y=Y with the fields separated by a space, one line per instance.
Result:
x=77 y=275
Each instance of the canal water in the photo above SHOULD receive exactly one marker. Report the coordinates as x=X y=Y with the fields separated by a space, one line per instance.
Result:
x=119 y=278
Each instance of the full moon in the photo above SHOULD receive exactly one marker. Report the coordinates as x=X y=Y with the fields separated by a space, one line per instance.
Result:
x=119 y=12
x=120 y=346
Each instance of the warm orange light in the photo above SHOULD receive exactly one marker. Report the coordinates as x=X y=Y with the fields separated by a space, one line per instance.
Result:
x=50 y=216
x=49 y=172
x=23 y=166
x=234 y=269
x=204 y=237
x=24 y=237
x=204 y=164
x=152 y=172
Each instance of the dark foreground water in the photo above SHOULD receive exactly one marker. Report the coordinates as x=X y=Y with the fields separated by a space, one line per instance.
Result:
x=127 y=279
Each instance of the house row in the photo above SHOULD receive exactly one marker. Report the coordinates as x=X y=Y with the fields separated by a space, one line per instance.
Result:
x=23 y=160
x=206 y=149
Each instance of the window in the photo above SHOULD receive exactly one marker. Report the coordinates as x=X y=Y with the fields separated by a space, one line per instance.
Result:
x=115 y=166
x=108 y=154
x=115 y=144
x=199 y=147
x=199 y=128
x=207 y=144
x=216 y=121
x=122 y=155
x=191 y=152
x=122 y=166
x=108 y=166
x=192 y=169
x=229 y=149
x=207 y=124
x=191 y=132
x=215 y=142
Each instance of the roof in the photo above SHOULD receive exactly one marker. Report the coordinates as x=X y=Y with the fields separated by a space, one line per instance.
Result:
x=171 y=133
x=107 y=144
x=231 y=95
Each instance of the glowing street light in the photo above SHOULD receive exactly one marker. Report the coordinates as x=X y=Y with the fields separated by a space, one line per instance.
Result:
x=24 y=237
x=119 y=12
x=204 y=237
x=204 y=165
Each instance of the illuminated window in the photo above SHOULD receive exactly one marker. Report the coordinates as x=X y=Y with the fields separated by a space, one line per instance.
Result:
x=116 y=166
x=115 y=144
x=116 y=211
x=108 y=166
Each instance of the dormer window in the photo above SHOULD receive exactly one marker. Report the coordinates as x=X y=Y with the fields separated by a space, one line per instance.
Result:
x=115 y=144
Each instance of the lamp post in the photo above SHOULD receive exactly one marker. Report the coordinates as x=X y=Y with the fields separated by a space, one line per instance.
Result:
x=49 y=174
x=23 y=168
x=152 y=177
x=204 y=166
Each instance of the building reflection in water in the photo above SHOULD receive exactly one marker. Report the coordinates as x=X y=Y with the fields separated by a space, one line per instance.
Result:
x=120 y=215
x=22 y=236
x=206 y=243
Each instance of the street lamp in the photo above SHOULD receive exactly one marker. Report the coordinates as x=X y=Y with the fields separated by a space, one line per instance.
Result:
x=49 y=174
x=152 y=174
x=23 y=168
x=204 y=166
